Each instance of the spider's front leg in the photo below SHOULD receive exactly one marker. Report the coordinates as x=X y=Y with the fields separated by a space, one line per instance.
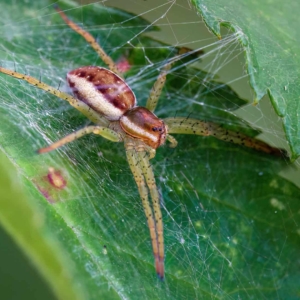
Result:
x=182 y=125
x=150 y=180
x=138 y=159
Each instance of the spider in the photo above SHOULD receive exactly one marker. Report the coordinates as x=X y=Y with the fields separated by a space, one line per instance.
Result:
x=103 y=96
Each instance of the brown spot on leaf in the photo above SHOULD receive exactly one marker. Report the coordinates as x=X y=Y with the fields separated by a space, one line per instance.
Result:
x=46 y=194
x=56 y=179
x=51 y=184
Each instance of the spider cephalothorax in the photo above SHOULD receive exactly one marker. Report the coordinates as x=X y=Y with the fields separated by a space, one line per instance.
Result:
x=105 y=98
x=109 y=95
x=142 y=124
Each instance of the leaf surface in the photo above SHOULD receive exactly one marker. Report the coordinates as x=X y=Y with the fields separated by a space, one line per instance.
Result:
x=268 y=32
x=230 y=222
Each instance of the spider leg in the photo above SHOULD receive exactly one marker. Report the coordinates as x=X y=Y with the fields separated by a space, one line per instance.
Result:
x=193 y=126
x=157 y=87
x=136 y=169
x=79 y=105
x=172 y=140
x=150 y=180
x=103 y=131
x=91 y=40
x=161 y=80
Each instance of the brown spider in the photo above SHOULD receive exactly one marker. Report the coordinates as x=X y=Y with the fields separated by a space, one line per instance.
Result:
x=103 y=96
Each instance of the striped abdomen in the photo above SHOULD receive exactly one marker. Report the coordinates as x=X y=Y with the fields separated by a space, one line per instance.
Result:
x=102 y=90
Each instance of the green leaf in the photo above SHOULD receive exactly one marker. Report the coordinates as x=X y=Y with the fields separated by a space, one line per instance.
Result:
x=268 y=32
x=230 y=222
x=25 y=222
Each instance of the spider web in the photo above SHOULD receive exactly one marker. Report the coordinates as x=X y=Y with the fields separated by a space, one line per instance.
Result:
x=231 y=228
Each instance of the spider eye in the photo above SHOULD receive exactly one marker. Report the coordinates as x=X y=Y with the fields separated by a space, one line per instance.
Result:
x=154 y=129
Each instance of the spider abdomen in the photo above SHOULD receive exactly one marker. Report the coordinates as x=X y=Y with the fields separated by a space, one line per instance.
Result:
x=102 y=90
x=141 y=123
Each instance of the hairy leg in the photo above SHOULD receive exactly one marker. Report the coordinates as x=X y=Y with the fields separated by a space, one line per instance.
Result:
x=161 y=80
x=91 y=40
x=136 y=168
x=79 y=105
x=150 y=180
x=193 y=126
x=103 y=131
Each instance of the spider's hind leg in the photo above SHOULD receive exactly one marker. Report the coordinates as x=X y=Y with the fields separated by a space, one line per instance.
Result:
x=91 y=40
